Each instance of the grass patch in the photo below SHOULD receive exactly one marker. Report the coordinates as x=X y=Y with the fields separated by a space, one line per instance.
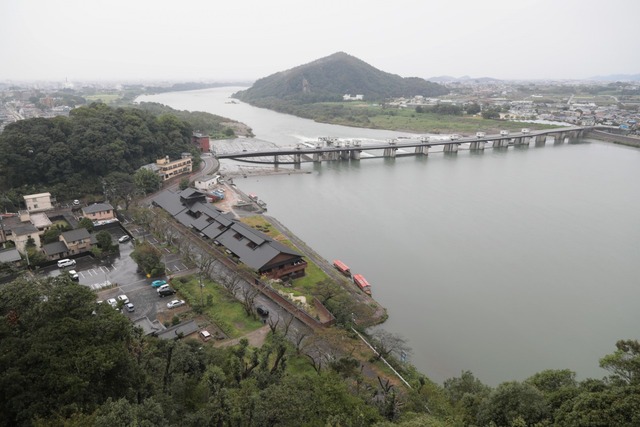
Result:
x=224 y=310
x=107 y=98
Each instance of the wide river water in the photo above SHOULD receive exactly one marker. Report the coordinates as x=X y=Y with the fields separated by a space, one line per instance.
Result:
x=504 y=262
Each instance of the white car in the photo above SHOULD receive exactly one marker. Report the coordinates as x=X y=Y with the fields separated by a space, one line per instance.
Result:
x=130 y=307
x=123 y=298
x=504 y=132
x=175 y=303
x=74 y=275
x=112 y=302
x=66 y=263
x=525 y=130
x=163 y=287
x=124 y=238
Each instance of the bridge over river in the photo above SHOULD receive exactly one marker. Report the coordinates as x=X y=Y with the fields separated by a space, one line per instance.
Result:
x=327 y=149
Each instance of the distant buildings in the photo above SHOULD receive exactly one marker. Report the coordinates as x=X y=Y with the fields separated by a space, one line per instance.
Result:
x=349 y=97
x=201 y=141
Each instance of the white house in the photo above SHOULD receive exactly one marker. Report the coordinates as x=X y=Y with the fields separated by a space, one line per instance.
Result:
x=206 y=182
x=38 y=202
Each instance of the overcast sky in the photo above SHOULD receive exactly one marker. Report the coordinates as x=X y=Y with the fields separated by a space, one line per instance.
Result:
x=249 y=39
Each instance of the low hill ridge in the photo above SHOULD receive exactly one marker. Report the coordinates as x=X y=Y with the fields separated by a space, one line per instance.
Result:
x=329 y=78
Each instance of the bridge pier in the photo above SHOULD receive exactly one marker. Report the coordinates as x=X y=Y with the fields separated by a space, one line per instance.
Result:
x=559 y=137
x=355 y=155
x=541 y=139
x=477 y=145
x=451 y=148
x=297 y=158
x=345 y=154
x=422 y=149
x=316 y=158
x=389 y=152
x=276 y=160
x=500 y=143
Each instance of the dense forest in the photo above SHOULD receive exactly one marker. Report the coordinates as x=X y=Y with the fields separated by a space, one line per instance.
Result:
x=66 y=360
x=70 y=156
x=328 y=79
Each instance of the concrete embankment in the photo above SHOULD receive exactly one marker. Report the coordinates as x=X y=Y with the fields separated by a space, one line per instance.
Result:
x=631 y=141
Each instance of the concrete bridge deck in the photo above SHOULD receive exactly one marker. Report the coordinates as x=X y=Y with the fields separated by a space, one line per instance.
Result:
x=332 y=149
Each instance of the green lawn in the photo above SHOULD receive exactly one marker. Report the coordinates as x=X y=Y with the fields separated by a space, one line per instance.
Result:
x=225 y=311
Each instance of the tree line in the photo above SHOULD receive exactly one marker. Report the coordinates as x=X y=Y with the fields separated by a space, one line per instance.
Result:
x=66 y=360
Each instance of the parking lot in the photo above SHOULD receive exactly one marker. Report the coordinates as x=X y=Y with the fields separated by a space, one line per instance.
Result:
x=122 y=271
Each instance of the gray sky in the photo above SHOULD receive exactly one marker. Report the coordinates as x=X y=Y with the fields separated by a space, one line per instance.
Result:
x=249 y=39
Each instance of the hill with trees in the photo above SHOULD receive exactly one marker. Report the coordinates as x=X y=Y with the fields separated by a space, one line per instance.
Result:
x=70 y=156
x=328 y=79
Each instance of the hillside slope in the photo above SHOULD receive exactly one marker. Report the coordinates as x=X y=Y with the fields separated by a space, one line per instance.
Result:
x=329 y=78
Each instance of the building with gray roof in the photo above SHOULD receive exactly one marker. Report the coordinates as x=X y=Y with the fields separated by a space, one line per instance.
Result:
x=247 y=245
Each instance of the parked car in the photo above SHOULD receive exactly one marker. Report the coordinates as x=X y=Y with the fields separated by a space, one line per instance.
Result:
x=124 y=238
x=262 y=310
x=205 y=335
x=480 y=134
x=175 y=303
x=76 y=202
x=525 y=130
x=66 y=263
x=165 y=292
x=112 y=302
x=123 y=298
x=74 y=275
x=130 y=307
x=454 y=137
x=158 y=283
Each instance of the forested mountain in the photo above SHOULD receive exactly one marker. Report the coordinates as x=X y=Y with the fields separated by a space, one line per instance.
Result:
x=68 y=156
x=329 y=78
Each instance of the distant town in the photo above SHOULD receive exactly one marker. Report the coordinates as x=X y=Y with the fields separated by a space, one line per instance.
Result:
x=584 y=103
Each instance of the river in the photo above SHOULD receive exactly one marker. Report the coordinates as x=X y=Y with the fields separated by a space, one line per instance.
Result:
x=504 y=262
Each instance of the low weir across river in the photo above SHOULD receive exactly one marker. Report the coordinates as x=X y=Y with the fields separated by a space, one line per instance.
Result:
x=327 y=149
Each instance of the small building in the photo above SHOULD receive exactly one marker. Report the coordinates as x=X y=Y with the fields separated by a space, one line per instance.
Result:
x=38 y=202
x=78 y=240
x=206 y=182
x=22 y=233
x=349 y=97
x=10 y=256
x=99 y=212
x=201 y=141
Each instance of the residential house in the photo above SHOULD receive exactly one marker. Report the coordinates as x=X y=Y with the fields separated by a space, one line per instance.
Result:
x=11 y=256
x=99 y=212
x=245 y=244
x=76 y=241
x=23 y=227
x=38 y=202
